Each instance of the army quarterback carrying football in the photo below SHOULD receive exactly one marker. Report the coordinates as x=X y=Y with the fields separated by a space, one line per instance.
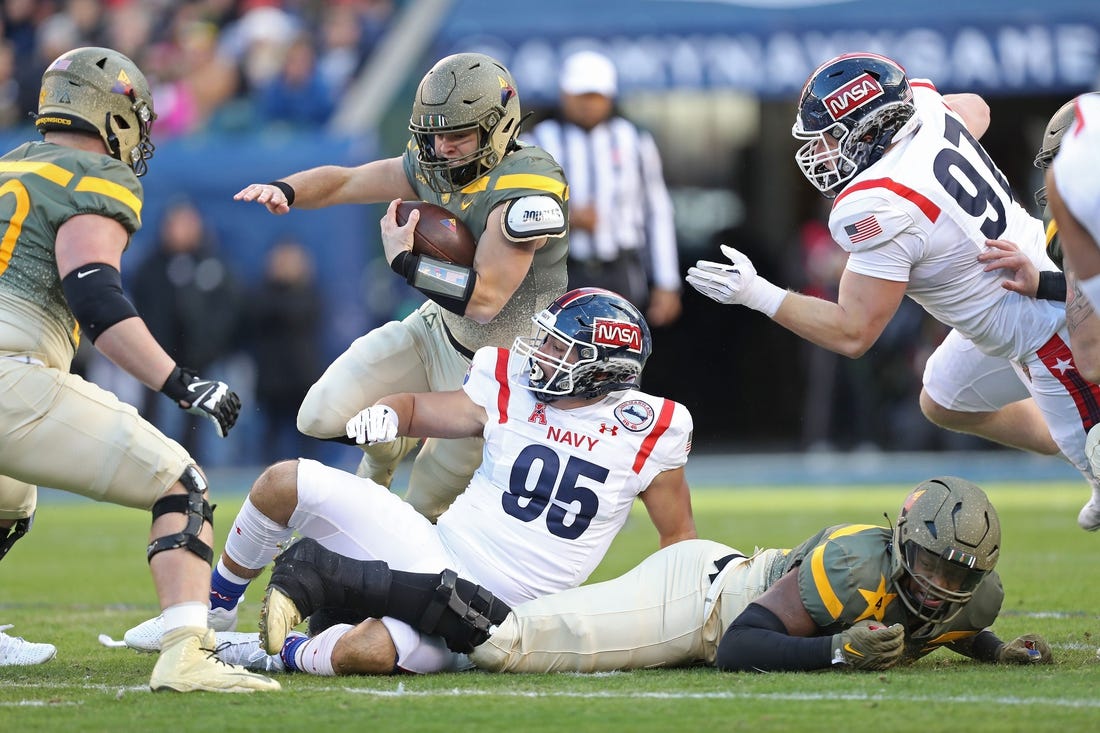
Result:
x=463 y=155
x=69 y=205
x=852 y=596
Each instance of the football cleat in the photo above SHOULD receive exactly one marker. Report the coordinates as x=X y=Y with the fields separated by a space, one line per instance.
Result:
x=15 y=651
x=1089 y=516
x=244 y=650
x=189 y=663
x=278 y=617
x=145 y=637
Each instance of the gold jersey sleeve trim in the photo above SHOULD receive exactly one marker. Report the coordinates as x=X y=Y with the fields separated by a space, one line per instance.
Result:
x=520 y=180
x=821 y=582
x=109 y=188
x=1052 y=231
x=51 y=172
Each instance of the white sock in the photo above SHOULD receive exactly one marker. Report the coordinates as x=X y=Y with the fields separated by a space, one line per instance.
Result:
x=315 y=655
x=254 y=539
x=191 y=613
x=230 y=575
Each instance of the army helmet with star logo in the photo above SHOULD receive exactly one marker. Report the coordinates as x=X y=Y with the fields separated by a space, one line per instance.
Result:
x=947 y=538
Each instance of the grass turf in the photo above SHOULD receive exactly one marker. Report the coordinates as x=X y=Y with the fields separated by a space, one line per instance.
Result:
x=81 y=571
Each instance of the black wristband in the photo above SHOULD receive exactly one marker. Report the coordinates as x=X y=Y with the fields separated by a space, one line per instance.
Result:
x=1052 y=286
x=175 y=386
x=287 y=190
x=404 y=264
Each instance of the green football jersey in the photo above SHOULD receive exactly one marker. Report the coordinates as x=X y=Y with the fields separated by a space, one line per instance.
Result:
x=529 y=171
x=42 y=186
x=844 y=577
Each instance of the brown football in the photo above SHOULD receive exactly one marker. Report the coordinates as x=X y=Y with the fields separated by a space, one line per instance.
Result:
x=439 y=233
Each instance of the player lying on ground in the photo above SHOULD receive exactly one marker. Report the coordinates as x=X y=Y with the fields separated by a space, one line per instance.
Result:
x=851 y=596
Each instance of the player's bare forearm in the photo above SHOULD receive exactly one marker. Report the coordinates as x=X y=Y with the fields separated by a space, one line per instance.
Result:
x=437 y=414
x=824 y=323
x=131 y=346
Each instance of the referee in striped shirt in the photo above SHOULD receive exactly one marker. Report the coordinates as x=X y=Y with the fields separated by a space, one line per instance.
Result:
x=621 y=231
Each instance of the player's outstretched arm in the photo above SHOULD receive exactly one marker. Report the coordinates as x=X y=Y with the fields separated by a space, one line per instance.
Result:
x=985 y=646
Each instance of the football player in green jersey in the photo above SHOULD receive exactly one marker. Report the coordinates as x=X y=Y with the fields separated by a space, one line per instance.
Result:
x=68 y=207
x=852 y=596
x=462 y=155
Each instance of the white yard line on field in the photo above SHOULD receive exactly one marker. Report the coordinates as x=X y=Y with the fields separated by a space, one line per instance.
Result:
x=401 y=691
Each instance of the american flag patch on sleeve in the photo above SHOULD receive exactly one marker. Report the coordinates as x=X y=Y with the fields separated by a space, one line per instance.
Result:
x=865 y=228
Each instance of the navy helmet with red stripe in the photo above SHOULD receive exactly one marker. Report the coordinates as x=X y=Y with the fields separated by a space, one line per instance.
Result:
x=849 y=112
x=587 y=343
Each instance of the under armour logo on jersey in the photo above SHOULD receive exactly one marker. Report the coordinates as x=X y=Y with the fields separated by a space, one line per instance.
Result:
x=538 y=415
x=605 y=428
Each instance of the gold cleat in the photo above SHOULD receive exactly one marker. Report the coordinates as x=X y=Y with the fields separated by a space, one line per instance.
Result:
x=188 y=663
x=278 y=617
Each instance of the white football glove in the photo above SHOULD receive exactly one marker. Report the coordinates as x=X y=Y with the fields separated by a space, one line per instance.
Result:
x=735 y=284
x=376 y=424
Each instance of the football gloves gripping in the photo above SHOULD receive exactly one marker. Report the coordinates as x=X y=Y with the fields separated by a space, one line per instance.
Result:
x=376 y=424
x=737 y=283
x=208 y=398
x=869 y=645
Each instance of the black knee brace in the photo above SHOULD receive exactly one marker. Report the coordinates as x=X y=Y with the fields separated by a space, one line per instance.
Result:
x=14 y=532
x=197 y=510
x=438 y=604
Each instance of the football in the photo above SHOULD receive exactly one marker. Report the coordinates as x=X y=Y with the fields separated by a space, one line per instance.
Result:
x=439 y=233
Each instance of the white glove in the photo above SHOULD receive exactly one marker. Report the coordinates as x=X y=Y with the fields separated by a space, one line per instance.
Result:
x=376 y=424
x=735 y=284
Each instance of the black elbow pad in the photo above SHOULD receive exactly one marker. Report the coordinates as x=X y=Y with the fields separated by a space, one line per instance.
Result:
x=94 y=293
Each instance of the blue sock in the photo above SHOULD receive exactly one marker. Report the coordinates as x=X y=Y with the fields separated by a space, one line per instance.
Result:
x=224 y=593
x=290 y=648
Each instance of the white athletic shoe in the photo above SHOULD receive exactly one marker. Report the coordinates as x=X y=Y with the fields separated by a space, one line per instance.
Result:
x=145 y=637
x=15 y=651
x=1089 y=517
x=244 y=649
x=188 y=663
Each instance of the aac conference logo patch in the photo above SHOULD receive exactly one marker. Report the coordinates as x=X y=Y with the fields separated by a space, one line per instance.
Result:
x=635 y=415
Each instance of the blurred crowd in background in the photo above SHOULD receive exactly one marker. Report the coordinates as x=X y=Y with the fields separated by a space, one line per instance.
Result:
x=235 y=67
x=213 y=64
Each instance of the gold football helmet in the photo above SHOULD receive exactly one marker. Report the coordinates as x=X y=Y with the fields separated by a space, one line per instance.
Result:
x=461 y=92
x=101 y=91
x=946 y=540
x=1052 y=141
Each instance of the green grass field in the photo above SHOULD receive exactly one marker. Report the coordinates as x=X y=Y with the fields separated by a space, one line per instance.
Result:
x=82 y=572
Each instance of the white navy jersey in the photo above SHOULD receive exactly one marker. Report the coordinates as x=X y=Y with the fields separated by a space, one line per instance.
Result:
x=921 y=215
x=555 y=486
x=1076 y=165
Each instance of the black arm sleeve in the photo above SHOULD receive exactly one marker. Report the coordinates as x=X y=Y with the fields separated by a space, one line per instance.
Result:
x=983 y=646
x=757 y=641
x=94 y=293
